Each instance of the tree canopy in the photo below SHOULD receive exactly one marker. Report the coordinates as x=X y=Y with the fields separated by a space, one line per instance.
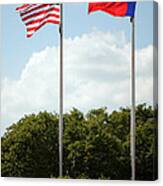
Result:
x=96 y=145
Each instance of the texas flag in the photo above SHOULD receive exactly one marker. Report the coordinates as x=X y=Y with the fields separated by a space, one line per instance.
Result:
x=114 y=8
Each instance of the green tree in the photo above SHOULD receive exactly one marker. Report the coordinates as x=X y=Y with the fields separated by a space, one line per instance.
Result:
x=30 y=147
x=75 y=131
x=96 y=145
x=146 y=146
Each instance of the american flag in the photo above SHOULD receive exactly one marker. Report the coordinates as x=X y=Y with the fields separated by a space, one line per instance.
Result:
x=37 y=15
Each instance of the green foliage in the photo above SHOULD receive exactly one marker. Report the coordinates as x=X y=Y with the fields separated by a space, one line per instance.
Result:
x=30 y=147
x=96 y=145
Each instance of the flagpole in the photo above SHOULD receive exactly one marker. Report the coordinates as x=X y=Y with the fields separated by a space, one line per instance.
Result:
x=61 y=95
x=133 y=121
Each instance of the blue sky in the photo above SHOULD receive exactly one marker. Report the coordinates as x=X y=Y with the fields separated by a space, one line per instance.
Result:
x=17 y=48
x=96 y=62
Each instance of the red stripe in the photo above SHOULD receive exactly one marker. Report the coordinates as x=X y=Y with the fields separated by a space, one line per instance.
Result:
x=42 y=24
x=41 y=19
x=29 y=35
x=22 y=7
x=40 y=13
x=33 y=9
x=28 y=7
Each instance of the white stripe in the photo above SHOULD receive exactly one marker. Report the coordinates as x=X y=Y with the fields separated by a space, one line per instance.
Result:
x=23 y=10
x=30 y=7
x=37 y=24
x=37 y=11
x=31 y=32
x=41 y=16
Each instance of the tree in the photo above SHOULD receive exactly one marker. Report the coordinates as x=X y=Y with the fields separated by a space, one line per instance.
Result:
x=146 y=152
x=30 y=147
x=96 y=145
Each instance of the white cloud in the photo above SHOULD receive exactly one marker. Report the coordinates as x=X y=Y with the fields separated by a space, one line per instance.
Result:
x=96 y=74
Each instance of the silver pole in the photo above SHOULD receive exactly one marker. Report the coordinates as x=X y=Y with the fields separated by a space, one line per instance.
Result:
x=132 y=122
x=61 y=96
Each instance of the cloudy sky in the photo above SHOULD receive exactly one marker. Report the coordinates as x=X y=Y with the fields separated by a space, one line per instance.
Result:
x=96 y=62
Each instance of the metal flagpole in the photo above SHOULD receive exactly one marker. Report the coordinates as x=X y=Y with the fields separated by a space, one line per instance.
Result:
x=132 y=122
x=61 y=95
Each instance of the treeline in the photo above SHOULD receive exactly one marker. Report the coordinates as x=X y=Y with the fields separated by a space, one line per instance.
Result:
x=96 y=145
